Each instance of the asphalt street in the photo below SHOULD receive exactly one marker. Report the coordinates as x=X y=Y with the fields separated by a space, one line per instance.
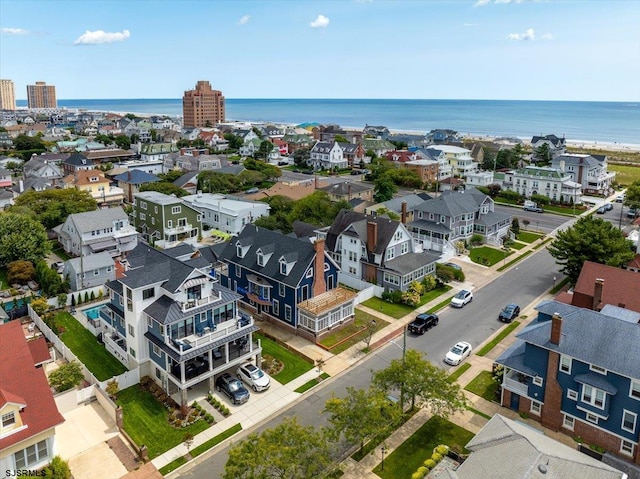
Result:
x=522 y=284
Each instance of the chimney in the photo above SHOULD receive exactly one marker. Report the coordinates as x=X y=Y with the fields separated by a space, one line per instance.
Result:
x=129 y=176
x=20 y=186
x=372 y=236
x=556 y=328
x=319 y=284
x=403 y=217
x=597 y=294
x=562 y=166
x=348 y=191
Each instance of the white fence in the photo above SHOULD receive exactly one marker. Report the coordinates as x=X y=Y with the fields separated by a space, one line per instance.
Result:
x=365 y=290
x=125 y=380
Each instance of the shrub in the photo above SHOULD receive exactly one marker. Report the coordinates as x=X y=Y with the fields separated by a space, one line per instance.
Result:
x=540 y=199
x=442 y=449
x=436 y=457
x=39 y=305
x=476 y=239
x=524 y=415
x=428 y=283
x=422 y=471
x=86 y=297
x=20 y=271
x=67 y=376
x=510 y=195
x=429 y=464
x=417 y=475
x=92 y=297
x=58 y=468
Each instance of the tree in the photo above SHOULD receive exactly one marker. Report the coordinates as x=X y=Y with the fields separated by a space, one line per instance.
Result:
x=361 y=415
x=40 y=305
x=187 y=440
x=112 y=389
x=48 y=279
x=164 y=187
x=52 y=207
x=341 y=139
x=488 y=159
x=235 y=141
x=265 y=149
x=494 y=190
x=171 y=175
x=590 y=239
x=384 y=189
x=122 y=141
x=288 y=451
x=424 y=382
x=58 y=468
x=22 y=238
x=543 y=154
x=515 y=225
x=25 y=142
x=67 y=376
x=14 y=166
x=301 y=156
x=632 y=196
x=20 y=271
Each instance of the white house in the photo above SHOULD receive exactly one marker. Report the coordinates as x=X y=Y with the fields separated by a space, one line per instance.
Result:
x=546 y=181
x=226 y=213
x=590 y=171
x=325 y=155
x=459 y=158
x=480 y=178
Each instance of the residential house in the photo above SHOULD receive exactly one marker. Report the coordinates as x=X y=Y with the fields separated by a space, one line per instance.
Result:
x=451 y=184
x=153 y=167
x=272 y=131
x=99 y=187
x=5 y=140
x=328 y=133
x=28 y=410
x=194 y=159
x=250 y=147
x=505 y=448
x=444 y=169
x=164 y=220
x=5 y=178
x=43 y=170
x=190 y=134
x=95 y=231
x=439 y=136
x=108 y=155
x=456 y=216
x=282 y=146
x=34 y=184
x=7 y=197
x=590 y=171
x=354 y=154
x=546 y=181
x=327 y=156
x=246 y=134
x=403 y=206
x=285 y=280
x=172 y=318
x=349 y=190
x=380 y=132
x=229 y=214
x=379 y=147
x=131 y=181
x=76 y=162
x=557 y=146
x=426 y=170
x=480 y=178
x=296 y=141
x=477 y=152
x=89 y=271
x=459 y=158
x=156 y=151
x=574 y=370
x=188 y=182
x=377 y=250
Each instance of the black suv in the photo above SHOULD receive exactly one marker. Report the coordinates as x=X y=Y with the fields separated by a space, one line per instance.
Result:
x=422 y=323
x=233 y=388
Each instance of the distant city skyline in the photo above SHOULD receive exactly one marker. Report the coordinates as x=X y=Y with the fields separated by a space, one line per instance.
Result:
x=475 y=49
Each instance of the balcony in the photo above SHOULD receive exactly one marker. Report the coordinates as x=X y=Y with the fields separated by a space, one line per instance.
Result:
x=178 y=229
x=195 y=303
x=116 y=345
x=516 y=382
x=208 y=336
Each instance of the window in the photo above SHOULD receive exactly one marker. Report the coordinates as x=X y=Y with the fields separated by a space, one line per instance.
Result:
x=404 y=248
x=153 y=220
x=634 y=390
x=391 y=253
x=629 y=421
x=143 y=205
x=132 y=331
x=352 y=270
x=597 y=369
x=96 y=272
x=536 y=407
x=626 y=447
x=32 y=455
x=565 y=364
x=169 y=224
x=592 y=418
x=176 y=210
x=571 y=394
x=159 y=373
x=309 y=273
x=148 y=293
x=8 y=419
x=156 y=350
x=132 y=352
x=568 y=422
x=275 y=307
x=593 y=396
x=281 y=290
x=287 y=312
x=537 y=381
x=260 y=258
x=143 y=216
x=283 y=267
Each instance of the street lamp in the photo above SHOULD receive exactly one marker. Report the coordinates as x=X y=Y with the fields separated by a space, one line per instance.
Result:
x=371 y=327
x=554 y=281
x=382 y=450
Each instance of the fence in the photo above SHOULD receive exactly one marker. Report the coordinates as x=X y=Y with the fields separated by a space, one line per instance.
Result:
x=365 y=290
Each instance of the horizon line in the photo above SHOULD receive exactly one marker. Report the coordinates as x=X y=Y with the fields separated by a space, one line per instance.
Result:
x=362 y=99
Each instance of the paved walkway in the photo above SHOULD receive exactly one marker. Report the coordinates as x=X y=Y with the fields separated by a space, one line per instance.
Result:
x=279 y=397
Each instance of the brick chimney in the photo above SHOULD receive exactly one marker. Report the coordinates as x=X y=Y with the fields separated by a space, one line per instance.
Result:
x=319 y=284
x=556 y=328
x=372 y=236
x=404 y=213
x=597 y=294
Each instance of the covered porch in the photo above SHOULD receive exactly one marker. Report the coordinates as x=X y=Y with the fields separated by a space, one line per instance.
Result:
x=326 y=310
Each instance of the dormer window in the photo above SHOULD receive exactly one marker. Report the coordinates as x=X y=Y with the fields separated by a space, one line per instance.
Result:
x=260 y=258
x=94 y=179
x=8 y=419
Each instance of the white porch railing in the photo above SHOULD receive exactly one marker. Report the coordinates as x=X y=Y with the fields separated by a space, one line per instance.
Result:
x=515 y=386
x=222 y=330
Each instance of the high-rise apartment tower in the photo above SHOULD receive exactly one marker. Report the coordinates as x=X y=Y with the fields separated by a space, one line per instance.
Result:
x=202 y=106
x=41 y=95
x=7 y=95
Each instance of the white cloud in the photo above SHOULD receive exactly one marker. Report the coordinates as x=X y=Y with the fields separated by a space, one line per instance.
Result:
x=547 y=36
x=14 y=31
x=481 y=3
x=528 y=35
x=320 y=22
x=99 y=36
x=243 y=19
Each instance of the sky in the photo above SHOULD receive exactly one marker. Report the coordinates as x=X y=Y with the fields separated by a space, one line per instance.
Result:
x=418 y=49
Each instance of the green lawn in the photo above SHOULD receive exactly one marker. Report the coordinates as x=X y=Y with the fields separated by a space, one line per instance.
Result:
x=86 y=347
x=503 y=334
x=294 y=365
x=400 y=310
x=57 y=249
x=145 y=420
x=517 y=245
x=484 y=386
x=407 y=458
x=314 y=382
x=453 y=377
x=356 y=331
x=488 y=256
x=515 y=260
x=625 y=174
x=528 y=236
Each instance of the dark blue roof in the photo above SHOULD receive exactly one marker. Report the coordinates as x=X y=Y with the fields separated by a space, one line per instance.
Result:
x=136 y=177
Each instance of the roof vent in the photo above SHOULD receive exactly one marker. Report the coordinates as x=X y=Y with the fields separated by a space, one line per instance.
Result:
x=542 y=468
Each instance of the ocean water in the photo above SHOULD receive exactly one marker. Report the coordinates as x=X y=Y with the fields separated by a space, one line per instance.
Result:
x=611 y=122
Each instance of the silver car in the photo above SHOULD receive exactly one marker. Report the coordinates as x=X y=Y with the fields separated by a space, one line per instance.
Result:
x=254 y=377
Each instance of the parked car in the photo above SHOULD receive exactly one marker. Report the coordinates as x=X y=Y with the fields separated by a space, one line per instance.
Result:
x=535 y=209
x=509 y=313
x=356 y=172
x=254 y=377
x=423 y=323
x=283 y=163
x=458 y=353
x=631 y=213
x=620 y=199
x=608 y=206
x=463 y=297
x=232 y=388
x=252 y=190
x=58 y=266
x=601 y=210
x=453 y=265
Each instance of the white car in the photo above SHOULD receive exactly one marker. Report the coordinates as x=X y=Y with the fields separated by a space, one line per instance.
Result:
x=458 y=353
x=254 y=377
x=463 y=297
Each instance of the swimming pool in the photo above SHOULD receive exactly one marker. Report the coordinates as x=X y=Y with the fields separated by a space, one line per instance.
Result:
x=93 y=313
